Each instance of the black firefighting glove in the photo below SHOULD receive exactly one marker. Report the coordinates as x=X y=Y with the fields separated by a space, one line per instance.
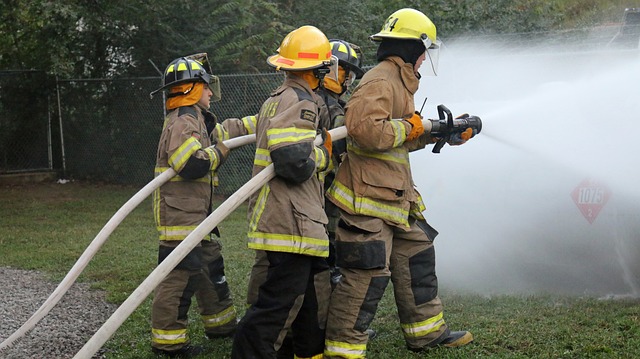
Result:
x=460 y=138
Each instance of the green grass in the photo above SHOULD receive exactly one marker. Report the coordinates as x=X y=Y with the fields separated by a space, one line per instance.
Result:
x=47 y=227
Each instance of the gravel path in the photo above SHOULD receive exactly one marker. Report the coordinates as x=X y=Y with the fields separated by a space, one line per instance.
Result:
x=62 y=332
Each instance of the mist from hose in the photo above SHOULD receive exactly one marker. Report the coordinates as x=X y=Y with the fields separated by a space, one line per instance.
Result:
x=512 y=205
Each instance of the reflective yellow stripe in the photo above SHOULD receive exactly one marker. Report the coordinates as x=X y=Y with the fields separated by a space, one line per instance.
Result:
x=276 y=136
x=156 y=206
x=417 y=208
x=344 y=350
x=262 y=158
x=322 y=161
x=249 y=123
x=367 y=206
x=177 y=336
x=400 y=132
x=174 y=233
x=220 y=319
x=421 y=329
x=213 y=157
x=182 y=154
x=258 y=207
x=160 y=170
x=397 y=155
x=221 y=133
x=289 y=243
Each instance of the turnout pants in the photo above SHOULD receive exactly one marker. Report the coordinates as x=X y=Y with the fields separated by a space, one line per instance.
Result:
x=200 y=273
x=370 y=252
x=294 y=295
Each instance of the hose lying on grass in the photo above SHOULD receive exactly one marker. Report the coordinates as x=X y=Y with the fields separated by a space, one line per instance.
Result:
x=160 y=272
x=99 y=240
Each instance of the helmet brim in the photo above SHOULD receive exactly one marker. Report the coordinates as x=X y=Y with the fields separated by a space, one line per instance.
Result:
x=356 y=70
x=283 y=63
x=397 y=36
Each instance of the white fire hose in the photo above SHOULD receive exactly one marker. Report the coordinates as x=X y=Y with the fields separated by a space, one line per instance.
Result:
x=160 y=272
x=100 y=239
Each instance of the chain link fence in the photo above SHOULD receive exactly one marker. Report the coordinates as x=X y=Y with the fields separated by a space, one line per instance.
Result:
x=107 y=130
x=25 y=118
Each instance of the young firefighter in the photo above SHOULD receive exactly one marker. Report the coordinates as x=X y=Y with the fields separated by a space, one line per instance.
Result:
x=331 y=114
x=334 y=86
x=286 y=217
x=382 y=233
x=181 y=204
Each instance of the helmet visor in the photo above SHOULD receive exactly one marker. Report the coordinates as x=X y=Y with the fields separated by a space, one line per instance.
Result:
x=214 y=85
x=212 y=81
x=333 y=69
x=203 y=59
x=351 y=78
x=432 y=55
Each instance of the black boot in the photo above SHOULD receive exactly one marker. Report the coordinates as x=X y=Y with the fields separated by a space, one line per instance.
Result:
x=457 y=339
x=187 y=351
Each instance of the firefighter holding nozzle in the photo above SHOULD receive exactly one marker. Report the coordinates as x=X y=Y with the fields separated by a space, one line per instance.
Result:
x=382 y=233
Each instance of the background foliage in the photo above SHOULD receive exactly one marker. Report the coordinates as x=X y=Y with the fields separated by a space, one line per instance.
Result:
x=75 y=74
x=94 y=39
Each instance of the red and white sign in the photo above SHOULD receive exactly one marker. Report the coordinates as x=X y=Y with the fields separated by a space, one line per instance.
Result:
x=590 y=196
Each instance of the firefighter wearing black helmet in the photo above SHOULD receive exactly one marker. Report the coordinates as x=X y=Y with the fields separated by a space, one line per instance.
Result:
x=181 y=204
x=335 y=85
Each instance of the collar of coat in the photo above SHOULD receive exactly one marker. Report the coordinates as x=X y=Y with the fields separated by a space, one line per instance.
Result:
x=292 y=81
x=408 y=76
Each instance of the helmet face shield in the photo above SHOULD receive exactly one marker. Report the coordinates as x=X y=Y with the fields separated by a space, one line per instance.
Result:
x=203 y=59
x=214 y=85
x=333 y=69
x=431 y=54
x=351 y=78
x=212 y=81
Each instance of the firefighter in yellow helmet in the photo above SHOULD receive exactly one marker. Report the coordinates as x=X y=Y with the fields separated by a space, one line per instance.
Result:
x=181 y=204
x=382 y=233
x=286 y=217
x=335 y=84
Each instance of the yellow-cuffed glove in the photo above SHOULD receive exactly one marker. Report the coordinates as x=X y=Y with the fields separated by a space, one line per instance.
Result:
x=326 y=136
x=417 y=128
x=218 y=153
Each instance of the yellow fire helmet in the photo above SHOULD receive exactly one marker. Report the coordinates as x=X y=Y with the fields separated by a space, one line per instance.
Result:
x=411 y=24
x=407 y=24
x=304 y=48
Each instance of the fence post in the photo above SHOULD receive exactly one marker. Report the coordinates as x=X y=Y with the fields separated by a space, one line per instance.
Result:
x=64 y=160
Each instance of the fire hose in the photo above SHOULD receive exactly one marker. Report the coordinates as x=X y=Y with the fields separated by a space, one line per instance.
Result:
x=145 y=288
x=98 y=241
x=162 y=270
